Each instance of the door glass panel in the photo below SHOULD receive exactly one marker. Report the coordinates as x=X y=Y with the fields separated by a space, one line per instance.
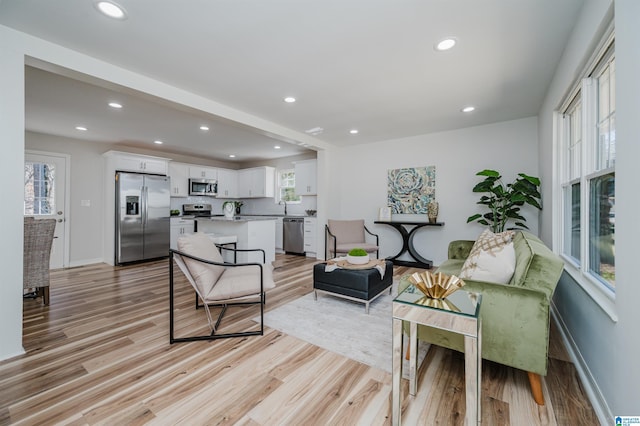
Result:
x=39 y=188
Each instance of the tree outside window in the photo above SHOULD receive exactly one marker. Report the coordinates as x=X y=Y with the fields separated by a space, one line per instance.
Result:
x=287 y=186
x=39 y=189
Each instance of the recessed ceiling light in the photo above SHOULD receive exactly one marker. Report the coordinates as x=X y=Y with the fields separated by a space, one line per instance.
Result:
x=232 y=156
x=111 y=9
x=81 y=128
x=446 y=44
x=204 y=128
x=353 y=131
x=468 y=108
x=115 y=105
x=277 y=147
x=289 y=99
x=158 y=142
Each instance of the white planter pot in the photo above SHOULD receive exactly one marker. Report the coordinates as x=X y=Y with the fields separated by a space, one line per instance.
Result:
x=358 y=260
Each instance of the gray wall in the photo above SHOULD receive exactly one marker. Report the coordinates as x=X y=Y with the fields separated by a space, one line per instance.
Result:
x=606 y=349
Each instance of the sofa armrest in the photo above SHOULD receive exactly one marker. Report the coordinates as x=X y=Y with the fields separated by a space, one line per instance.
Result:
x=460 y=249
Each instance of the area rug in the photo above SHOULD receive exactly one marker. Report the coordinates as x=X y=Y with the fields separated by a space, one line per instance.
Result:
x=342 y=326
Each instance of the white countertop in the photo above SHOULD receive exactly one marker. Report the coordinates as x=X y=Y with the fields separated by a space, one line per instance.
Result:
x=235 y=219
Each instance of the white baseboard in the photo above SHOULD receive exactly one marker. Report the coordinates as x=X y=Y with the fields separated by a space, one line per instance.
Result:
x=599 y=403
x=12 y=355
x=85 y=262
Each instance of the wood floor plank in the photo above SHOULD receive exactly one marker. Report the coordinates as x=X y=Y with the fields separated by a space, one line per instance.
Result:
x=99 y=354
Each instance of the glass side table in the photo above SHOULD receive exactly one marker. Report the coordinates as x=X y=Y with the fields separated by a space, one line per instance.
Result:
x=458 y=313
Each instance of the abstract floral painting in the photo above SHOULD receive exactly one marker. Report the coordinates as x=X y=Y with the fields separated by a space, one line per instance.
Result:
x=411 y=189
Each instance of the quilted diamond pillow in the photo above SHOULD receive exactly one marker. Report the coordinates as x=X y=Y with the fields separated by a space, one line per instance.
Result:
x=492 y=258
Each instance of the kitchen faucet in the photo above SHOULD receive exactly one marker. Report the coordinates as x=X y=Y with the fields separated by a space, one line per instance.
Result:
x=285 y=206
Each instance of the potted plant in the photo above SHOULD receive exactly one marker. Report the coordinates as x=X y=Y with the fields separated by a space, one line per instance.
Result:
x=358 y=256
x=504 y=201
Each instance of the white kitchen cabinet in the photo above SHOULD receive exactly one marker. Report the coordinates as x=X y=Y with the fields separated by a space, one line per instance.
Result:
x=279 y=236
x=257 y=182
x=203 y=172
x=179 y=228
x=310 y=246
x=227 y=183
x=126 y=162
x=306 y=177
x=179 y=174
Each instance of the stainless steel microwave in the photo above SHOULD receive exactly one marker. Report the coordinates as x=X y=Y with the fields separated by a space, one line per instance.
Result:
x=207 y=187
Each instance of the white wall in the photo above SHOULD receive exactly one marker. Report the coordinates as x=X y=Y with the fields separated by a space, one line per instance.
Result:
x=85 y=223
x=360 y=178
x=11 y=176
x=607 y=350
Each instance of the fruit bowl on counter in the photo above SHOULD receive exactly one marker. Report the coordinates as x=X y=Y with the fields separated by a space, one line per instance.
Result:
x=310 y=212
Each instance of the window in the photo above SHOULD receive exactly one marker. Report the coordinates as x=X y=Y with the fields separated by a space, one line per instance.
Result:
x=39 y=196
x=287 y=186
x=587 y=156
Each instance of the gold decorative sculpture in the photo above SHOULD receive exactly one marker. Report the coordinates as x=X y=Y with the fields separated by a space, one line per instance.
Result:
x=443 y=304
x=436 y=286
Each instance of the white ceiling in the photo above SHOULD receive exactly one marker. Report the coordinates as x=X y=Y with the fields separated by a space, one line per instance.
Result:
x=365 y=64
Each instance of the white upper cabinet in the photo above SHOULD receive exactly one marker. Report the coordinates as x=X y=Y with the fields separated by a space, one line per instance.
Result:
x=306 y=177
x=202 y=172
x=125 y=162
x=257 y=182
x=179 y=174
x=227 y=183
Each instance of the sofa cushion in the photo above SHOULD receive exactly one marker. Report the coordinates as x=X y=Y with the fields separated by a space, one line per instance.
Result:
x=492 y=258
x=240 y=281
x=204 y=275
x=537 y=267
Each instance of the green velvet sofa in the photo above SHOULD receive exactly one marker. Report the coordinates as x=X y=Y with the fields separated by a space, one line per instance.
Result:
x=515 y=316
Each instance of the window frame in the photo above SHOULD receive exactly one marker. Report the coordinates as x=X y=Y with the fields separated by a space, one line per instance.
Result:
x=279 y=186
x=584 y=91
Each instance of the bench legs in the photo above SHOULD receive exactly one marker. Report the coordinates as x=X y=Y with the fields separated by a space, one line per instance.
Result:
x=354 y=299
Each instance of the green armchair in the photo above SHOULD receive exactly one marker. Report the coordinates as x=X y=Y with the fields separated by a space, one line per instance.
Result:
x=515 y=316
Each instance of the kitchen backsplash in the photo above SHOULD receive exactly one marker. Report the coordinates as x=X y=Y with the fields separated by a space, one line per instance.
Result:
x=251 y=206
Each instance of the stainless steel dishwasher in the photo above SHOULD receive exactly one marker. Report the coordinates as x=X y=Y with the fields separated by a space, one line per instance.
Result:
x=293 y=235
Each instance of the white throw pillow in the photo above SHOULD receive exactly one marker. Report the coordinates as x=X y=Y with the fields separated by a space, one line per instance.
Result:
x=492 y=258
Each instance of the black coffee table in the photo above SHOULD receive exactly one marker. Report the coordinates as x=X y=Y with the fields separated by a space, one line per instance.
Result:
x=359 y=285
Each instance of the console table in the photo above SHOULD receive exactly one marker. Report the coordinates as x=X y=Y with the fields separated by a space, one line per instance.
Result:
x=407 y=242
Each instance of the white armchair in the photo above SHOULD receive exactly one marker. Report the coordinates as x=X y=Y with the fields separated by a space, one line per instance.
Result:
x=217 y=284
x=343 y=235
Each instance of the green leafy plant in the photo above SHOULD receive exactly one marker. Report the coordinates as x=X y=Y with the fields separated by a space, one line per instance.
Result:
x=358 y=252
x=235 y=204
x=504 y=201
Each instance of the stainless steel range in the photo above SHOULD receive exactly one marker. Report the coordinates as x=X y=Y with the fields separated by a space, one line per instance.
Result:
x=201 y=210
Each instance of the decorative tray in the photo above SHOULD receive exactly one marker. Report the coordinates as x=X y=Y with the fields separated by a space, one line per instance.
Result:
x=346 y=265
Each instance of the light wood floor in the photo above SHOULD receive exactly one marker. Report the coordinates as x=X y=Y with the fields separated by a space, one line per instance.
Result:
x=99 y=354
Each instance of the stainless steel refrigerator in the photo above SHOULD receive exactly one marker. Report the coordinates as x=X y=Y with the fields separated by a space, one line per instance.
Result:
x=142 y=217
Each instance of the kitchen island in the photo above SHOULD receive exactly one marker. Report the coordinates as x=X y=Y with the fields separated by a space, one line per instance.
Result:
x=252 y=233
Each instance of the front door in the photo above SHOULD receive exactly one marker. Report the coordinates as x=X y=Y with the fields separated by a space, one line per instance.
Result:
x=45 y=195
